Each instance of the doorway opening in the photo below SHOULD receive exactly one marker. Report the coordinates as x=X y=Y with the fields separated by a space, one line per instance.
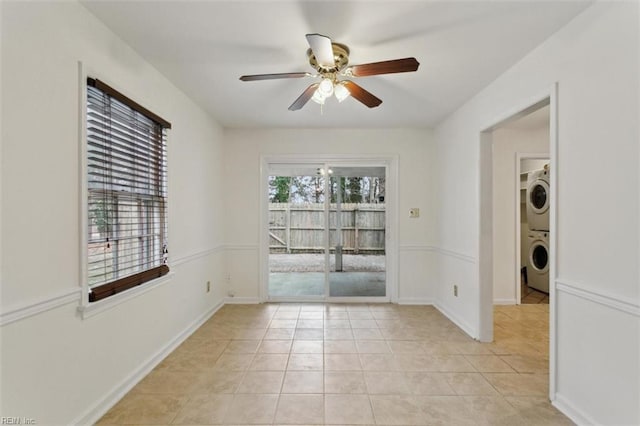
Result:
x=327 y=231
x=488 y=273
x=520 y=169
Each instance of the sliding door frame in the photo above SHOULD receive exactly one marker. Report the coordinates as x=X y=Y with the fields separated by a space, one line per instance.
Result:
x=390 y=162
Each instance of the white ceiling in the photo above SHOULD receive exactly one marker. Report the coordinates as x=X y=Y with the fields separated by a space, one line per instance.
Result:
x=204 y=46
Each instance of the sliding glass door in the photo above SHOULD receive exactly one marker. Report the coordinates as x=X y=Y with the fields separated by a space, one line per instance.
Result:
x=297 y=242
x=357 y=232
x=326 y=232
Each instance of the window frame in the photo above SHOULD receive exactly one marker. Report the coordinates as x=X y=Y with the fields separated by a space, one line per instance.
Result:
x=133 y=284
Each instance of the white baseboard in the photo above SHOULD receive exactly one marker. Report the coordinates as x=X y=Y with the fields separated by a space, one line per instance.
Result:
x=504 y=302
x=568 y=409
x=415 y=301
x=93 y=414
x=241 y=300
x=457 y=321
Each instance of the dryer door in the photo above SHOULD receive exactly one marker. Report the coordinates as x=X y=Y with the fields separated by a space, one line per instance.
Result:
x=539 y=256
x=538 y=196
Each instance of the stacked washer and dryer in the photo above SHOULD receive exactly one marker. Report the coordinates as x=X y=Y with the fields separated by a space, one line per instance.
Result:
x=538 y=195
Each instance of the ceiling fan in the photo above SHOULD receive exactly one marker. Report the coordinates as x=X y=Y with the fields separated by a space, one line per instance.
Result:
x=330 y=60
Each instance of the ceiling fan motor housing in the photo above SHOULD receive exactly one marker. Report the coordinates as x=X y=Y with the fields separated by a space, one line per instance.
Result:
x=340 y=55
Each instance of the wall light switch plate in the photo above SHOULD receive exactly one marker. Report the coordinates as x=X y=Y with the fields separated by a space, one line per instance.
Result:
x=414 y=212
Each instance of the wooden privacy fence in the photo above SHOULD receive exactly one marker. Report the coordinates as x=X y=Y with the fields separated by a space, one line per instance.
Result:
x=300 y=228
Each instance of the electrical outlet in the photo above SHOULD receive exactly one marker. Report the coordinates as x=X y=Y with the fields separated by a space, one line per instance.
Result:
x=208 y=286
x=455 y=290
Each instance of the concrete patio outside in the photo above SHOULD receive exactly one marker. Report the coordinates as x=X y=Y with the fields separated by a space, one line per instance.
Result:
x=300 y=275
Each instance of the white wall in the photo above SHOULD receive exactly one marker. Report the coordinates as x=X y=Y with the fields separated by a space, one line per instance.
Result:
x=507 y=143
x=57 y=367
x=594 y=60
x=414 y=148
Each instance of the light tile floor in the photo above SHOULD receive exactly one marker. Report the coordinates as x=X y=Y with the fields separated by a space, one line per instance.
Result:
x=346 y=365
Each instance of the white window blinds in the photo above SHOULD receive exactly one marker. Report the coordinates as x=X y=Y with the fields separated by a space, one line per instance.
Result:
x=127 y=192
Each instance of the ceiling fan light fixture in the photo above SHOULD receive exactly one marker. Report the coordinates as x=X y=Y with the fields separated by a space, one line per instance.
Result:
x=318 y=97
x=341 y=91
x=326 y=87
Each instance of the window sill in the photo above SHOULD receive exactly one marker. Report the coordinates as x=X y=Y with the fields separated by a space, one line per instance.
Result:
x=88 y=310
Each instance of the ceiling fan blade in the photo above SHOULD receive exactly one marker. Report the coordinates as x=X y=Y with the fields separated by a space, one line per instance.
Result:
x=362 y=95
x=257 y=77
x=304 y=98
x=322 y=49
x=384 y=67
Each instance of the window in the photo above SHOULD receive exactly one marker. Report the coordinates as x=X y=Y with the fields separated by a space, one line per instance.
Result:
x=127 y=192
